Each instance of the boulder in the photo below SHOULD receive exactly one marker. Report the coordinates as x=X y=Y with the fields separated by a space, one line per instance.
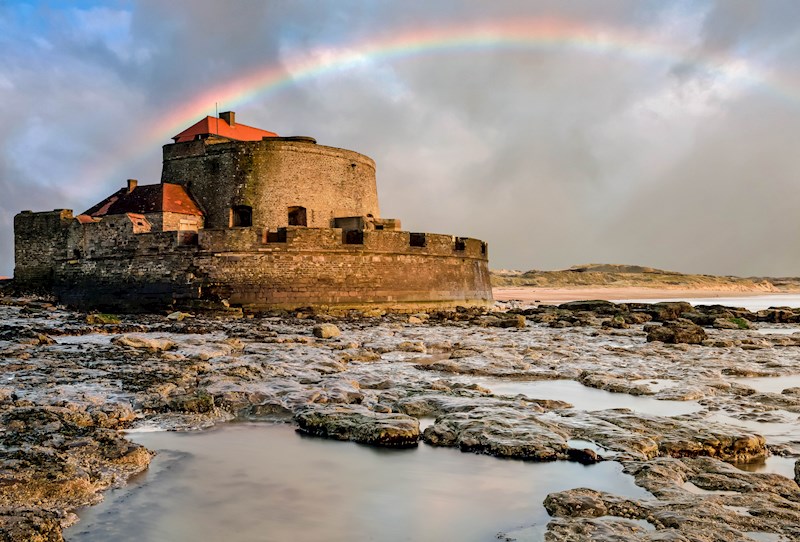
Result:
x=797 y=472
x=665 y=311
x=179 y=316
x=101 y=319
x=597 y=306
x=681 y=331
x=502 y=320
x=143 y=343
x=617 y=322
x=326 y=331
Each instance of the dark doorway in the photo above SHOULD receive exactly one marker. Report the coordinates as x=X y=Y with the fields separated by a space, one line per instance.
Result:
x=241 y=216
x=297 y=216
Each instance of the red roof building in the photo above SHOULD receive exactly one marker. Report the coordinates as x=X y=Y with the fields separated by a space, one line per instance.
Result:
x=224 y=126
x=152 y=198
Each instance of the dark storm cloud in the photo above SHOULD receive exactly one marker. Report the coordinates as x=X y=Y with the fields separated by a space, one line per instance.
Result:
x=555 y=155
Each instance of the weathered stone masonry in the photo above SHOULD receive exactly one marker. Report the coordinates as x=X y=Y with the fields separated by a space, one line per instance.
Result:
x=239 y=248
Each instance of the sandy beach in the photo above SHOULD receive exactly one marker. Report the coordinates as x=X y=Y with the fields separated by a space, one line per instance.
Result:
x=554 y=296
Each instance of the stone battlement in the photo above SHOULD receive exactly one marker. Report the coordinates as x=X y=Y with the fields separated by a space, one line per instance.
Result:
x=263 y=222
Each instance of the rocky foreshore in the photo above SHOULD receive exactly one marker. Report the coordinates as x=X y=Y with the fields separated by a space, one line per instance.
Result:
x=72 y=382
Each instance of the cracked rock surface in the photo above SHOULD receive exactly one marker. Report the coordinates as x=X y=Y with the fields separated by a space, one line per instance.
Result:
x=681 y=416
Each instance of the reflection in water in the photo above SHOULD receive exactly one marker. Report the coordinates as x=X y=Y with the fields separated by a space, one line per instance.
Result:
x=772 y=464
x=585 y=398
x=783 y=430
x=256 y=482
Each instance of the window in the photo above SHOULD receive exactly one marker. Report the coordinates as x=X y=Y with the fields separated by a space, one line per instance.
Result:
x=297 y=216
x=461 y=244
x=241 y=216
x=353 y=237
x=278 y=236
x=417 y=240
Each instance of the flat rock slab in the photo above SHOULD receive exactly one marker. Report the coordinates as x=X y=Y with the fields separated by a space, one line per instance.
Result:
x=637 y=434
x=359 y=424
x=500 y=431
x=700 y=499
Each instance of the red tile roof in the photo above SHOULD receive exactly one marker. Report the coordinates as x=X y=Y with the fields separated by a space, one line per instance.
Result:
x=84 y=219
x=220 y=127
x=151 y=198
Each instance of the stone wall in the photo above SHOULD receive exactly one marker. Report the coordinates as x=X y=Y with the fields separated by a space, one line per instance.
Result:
x=39 y=238
x=311 y=267
x=115 y=235
x=175 y=221
x=314 y=266
x=270 y=176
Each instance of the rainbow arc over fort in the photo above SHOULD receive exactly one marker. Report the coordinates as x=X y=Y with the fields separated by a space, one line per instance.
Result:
x=540 y=34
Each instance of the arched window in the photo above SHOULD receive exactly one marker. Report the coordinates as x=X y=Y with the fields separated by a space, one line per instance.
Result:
x=241 y=216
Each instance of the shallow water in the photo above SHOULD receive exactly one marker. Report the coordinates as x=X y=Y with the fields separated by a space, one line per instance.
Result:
x=773 y=464
x=770 y=384
x=585 y=398
x=774 y=330
x=247 y=482
x=777 y=426
x=751 y=303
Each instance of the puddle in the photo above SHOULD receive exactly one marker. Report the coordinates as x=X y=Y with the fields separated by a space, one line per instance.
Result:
x=764 y=537
x=740 y=510
x=656 y=384
x=773 y=464
x=777 y=330
x=585 y=398
x=770 y=384
x=89 y=338
x=691 y=488
x=425 y=422
x=783 y=432
x=250 y=482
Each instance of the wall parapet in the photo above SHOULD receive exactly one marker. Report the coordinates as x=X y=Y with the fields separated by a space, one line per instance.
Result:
x=335 y=240
x=116 y=238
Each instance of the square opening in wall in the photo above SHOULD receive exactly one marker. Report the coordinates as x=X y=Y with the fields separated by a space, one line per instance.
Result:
x=297 y=216
x=278 y=236
x=241 y=216
x=353 y=237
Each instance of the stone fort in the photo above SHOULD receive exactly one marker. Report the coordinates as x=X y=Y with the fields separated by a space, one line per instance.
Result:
x=245 y=218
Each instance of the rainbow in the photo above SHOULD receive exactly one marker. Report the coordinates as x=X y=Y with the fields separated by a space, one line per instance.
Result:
x=522 y=35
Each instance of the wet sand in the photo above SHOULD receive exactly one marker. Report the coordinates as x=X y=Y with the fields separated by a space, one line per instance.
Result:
x=555 y=296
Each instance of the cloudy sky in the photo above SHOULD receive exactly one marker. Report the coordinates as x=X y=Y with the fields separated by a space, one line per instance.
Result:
x=562 y=132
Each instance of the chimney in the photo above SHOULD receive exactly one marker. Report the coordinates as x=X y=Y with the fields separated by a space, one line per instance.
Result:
x=132 y=184
x=229 y=117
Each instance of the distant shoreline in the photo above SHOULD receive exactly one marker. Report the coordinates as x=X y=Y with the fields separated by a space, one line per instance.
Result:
x=554 y=296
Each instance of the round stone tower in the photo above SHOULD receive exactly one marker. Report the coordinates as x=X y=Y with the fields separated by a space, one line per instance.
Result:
x=273 y=182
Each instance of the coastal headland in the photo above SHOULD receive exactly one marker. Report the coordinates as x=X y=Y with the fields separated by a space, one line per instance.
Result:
x=627 y=282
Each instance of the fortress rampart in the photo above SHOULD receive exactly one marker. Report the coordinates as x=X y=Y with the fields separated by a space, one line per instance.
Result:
x=244 y=267
x=245 y=218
